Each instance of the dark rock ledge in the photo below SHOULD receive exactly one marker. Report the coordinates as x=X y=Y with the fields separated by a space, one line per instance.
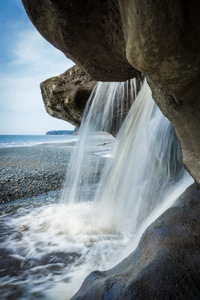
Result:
x=166 y=263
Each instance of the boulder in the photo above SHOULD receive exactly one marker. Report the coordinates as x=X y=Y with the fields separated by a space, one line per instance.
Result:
x=166 y=263
x=65 y=96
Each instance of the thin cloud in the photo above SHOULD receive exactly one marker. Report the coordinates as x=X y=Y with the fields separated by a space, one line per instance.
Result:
x=30 y=59
x=32 y=51
x=20 y=94
x=21 y=123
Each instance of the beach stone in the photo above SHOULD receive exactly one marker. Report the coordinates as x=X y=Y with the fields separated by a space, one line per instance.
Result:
x=23 y=180
x=166 y=263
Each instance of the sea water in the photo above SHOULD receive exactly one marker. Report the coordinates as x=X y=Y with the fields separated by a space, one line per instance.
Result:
x=32 y=140
x=55 y=246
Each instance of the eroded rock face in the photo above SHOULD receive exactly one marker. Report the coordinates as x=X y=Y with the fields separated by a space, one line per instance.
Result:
x=163 y=42
x=65 y=96
x=163 y=266
x=88 y=32
x=185 y=117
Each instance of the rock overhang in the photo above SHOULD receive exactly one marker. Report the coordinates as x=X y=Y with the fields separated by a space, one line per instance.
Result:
x=112 y=40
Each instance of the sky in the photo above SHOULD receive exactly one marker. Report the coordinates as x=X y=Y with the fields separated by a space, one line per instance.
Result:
x=26 y=59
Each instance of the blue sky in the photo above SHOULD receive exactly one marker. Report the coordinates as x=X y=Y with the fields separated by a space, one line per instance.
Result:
x=26 y=59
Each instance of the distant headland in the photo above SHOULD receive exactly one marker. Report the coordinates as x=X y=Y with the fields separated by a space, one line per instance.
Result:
x=63 y=132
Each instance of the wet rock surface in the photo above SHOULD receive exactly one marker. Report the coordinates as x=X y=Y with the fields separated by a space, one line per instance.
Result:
x=185 y=118
x=166 y=263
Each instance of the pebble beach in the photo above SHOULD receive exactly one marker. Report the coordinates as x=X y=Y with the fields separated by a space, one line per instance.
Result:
x=30 y=171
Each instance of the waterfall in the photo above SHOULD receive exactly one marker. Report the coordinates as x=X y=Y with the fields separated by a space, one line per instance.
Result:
x=107 y=202
x=145 y=169
x=104 y=112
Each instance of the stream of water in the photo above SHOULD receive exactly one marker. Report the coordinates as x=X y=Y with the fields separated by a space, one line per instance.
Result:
x=109 y=198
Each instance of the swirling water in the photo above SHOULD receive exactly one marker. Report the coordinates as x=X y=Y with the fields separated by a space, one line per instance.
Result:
x=54 y=246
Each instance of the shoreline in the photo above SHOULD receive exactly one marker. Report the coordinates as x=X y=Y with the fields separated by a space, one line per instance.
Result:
x=33 y=170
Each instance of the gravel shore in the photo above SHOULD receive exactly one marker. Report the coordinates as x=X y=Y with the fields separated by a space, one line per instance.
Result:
x=31 y=171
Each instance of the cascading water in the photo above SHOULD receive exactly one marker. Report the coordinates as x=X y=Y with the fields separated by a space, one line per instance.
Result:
x=104 y=113
x=66 y=241
x=145 y=169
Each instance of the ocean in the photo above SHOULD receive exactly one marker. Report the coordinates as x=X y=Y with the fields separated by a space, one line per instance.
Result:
x=32 y=140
